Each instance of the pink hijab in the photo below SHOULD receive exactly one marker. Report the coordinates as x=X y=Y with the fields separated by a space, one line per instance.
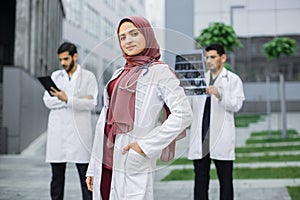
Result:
x=122 y=106
x=151 y=50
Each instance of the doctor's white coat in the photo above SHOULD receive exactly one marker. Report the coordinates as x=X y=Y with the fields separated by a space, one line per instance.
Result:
x=69 y=134
x=133 y=174
x=222 y=126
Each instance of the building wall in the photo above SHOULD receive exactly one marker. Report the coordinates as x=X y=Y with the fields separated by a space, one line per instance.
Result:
x=255 y=23
x=257 y=94
x=257 y=18
x=252 y=65
x=25 y=115
x=37 y=34
x=179 y=28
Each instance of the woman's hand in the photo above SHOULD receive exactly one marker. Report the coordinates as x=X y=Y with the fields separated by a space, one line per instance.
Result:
x=134 y=146
x=89 y=182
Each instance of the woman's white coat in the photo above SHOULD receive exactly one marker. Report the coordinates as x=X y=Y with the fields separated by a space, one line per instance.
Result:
x=132 y=173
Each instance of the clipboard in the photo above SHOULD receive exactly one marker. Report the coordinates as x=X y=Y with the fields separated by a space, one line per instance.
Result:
x=47 y=82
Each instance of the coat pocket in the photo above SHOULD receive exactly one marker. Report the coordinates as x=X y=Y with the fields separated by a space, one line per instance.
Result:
x=136 y=163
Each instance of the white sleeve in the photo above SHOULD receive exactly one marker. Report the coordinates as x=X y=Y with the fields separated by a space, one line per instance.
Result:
x=181 y=114
x=78 y=103
x=233 y=96
x=52 y=102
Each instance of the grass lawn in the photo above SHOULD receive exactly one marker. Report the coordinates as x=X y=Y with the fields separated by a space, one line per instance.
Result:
x=267 y=149
x=294 y=192
x=241 y=159
x=267 y=158
x=272 y=140
x=243 y=120
x=290 y=132
x=253 y=173
x=240 y=173
x=292 y=136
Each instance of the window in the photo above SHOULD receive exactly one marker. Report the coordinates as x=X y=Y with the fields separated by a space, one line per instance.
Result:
x=108 y=28
x=91 y=21
x=91 y=61
x=73 y=11
x=110 y=3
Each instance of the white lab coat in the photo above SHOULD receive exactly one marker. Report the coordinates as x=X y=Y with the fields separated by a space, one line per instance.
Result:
x=69 y=135
x=133 y=174
x=222 y=126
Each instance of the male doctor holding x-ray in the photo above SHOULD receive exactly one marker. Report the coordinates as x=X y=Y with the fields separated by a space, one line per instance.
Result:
x=213 y=129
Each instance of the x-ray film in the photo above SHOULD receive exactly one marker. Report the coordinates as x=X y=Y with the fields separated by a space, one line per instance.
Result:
x=190 y=69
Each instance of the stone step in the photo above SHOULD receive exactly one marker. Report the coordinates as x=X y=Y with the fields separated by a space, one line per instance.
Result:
x=274 y=144
x=274 y=153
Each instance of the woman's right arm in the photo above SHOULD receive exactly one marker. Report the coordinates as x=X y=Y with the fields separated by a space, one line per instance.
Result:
x=89 y=182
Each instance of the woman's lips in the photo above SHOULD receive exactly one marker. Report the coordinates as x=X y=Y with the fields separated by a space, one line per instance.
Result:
x=130 y=48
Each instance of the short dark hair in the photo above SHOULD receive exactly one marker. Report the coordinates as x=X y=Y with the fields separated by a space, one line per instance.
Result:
x=67 y=46
x=217 y=47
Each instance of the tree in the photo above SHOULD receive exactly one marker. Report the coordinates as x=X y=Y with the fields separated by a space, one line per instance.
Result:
x=279 y=46
x=273 y=49
x=218 y=32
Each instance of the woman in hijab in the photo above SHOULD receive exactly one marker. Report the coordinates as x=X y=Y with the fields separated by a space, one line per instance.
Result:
x=128 y=139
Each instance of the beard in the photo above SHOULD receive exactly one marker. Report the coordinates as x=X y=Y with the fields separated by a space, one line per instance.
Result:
x=70 y=66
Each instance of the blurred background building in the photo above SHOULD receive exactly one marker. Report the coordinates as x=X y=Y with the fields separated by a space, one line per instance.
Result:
x=31 y=31
x=255 y=23
x=28 y=45
x=35 y=28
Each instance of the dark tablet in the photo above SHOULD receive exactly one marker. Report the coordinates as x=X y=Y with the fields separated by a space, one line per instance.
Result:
x=47 y=82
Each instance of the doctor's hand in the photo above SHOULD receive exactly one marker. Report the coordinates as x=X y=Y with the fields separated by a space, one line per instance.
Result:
x=134 y=146
x=89 y=182
x=61 y=95
x=213 y=90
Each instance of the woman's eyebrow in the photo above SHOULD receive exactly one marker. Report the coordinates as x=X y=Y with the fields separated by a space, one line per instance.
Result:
x=130 y=31
x=133 y=30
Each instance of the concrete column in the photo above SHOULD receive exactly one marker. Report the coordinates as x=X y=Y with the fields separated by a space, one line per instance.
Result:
x=179 y=22
x=22 y=34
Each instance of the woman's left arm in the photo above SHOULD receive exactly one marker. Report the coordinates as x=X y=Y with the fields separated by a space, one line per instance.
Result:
x=181 y=113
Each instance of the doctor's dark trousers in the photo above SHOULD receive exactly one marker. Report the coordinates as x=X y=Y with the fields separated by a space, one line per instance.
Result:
x=58 y=181
x=224 y=172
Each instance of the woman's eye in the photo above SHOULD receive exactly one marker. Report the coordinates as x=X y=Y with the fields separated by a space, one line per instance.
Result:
x=122 y=38
x=134 y=34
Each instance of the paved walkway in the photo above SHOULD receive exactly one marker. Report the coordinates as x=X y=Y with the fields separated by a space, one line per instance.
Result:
x=27 y=176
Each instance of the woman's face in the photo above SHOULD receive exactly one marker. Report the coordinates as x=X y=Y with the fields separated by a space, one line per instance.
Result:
x=131 y=39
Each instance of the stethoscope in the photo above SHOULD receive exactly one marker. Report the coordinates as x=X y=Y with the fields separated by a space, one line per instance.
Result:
x=128 y=84
x=226 y=76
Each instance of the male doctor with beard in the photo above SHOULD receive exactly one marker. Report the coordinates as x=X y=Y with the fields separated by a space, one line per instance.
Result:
x=69 y=125
x=213 y=129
